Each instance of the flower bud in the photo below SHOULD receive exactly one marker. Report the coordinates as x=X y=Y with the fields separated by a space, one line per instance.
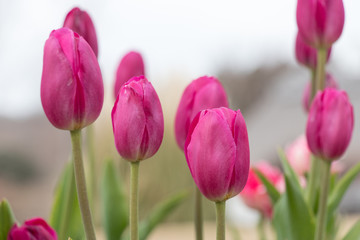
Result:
x=137 y=120
x=254 y=193
x=330 y=124
x=217 y=153
x=33 y=229
x=131 y=65
x=307 y=55
x=80 y=22
x=72 y=89
x=202 y=93
x=320 y=22
x=299 y=155
x=330 y=82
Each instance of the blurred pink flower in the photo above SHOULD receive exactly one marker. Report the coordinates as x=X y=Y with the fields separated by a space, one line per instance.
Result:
x=33 y=229
x=299 y=155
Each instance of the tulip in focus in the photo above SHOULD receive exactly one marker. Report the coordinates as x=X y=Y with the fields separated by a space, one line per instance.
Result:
x=137 y=120
x=320 y=22
x=330 y=124
x=131 y=65
x=202 y=93
x=80 y=22
x=330 y=82
x=217 y=153
x=33 y=229
x=254 y=193
x=72 y=89
x=307 y=55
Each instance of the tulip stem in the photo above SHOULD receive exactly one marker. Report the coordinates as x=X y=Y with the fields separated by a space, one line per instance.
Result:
x=320 y=68
x=220 y=220
x=81 y=184
x=198 y=214
x=313 y=182
x=134 y=201
x=91 y=158
x=261 y=228
x=321 y=218
x=313 y=86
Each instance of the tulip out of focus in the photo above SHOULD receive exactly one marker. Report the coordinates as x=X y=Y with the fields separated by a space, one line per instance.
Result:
x=299 y=155
x=330 y=124
x=217 y=153
x=72 y=90
x=330 y=82
x=307 y=55
x=131 y=65
x=320 y=22
x=202 y=93
x=137 y=120
x=80 y=22
x=33 y=229
x=254 y=193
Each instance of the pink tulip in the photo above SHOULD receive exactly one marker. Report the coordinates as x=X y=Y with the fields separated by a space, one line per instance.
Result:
x=80 y=22
x=202 y=93
x=137 y=120
x=299 y=155
x=217 y=153
x=330 y=82
x=330 y=124
x=33 y=229
x=72 y=89
x=254 y=193
x=305 y=54
x=320 y=22
x=131 y=65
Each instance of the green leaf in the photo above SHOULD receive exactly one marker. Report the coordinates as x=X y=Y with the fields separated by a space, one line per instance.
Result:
x=354 y=233
x=65 y=215
x=341 y=187
x=114 y=202
x=288 y=170
x=292 y=218
x=7 y=219
x=270 y=188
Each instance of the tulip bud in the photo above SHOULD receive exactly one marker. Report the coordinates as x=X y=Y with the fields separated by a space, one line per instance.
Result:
x=254 y=193
x=320 y=22
x=80 y=22
x=72 y=89
x=330 y=124
x=217 y=153
x=131 y=65
x=137 y=120
x=299 y=155
x=202 y=93
x=307 y=55
x=330 y=82
x=35 y=228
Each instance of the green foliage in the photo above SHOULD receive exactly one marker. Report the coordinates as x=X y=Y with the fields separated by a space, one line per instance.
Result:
x=114 y=202
x=354 y=233
x=270 y=188
x=7 y=219
x=65 y=216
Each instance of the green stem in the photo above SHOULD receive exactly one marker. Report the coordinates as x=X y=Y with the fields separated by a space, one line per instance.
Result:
x=220 y=220
x=261 y=228
x=81 y=184
x=198 y=214
x=134 y=201
x=65 y=215
x=321 y=218
x=320 y=68
x=91 y=158
x=313 y=86
x=313 y=182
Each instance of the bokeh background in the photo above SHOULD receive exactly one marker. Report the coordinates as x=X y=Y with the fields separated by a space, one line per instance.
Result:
x=248 y=45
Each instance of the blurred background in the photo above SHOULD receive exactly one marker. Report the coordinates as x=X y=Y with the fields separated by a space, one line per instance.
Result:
x=248 y=45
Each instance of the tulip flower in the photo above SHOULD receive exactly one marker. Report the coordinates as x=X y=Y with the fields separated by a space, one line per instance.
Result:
x=330 y=124
x=80 y=22
x=330 y=82
x=307 y=55
x=320 y=22
x=72 y=89
x=254 y=193
x=202 y=93
x=299 y=155
x=131 y=65
x=33 y=229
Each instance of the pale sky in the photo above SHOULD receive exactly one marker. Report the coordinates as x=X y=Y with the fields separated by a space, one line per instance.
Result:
x=190 y=37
